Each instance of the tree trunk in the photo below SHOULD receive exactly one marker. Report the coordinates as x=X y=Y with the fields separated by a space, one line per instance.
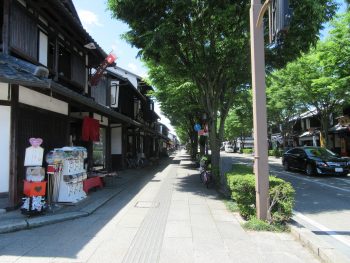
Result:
x=325 y=127
x=202 y=142
x=214 y=141
x=194 y=145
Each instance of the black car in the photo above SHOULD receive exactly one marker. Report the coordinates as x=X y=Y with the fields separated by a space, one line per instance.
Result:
x=315 y=161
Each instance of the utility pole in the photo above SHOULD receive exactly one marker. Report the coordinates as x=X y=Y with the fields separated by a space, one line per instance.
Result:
x=261 y=167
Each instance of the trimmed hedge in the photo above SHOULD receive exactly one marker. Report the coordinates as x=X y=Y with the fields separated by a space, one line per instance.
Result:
x=247 y=151
x=276 y=152
x=241 y=182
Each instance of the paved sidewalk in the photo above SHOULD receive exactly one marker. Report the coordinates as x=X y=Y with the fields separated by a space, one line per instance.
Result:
x=14 y=220
x=172 y=217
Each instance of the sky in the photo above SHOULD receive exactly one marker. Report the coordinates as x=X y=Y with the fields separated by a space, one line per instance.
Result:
x=342 y=9
x=107 y=31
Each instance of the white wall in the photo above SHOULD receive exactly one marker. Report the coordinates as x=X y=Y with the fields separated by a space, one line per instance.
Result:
x=5 y=118
x=116 y=140
x=104 y=121
x=126 y=74
x=39 y=100
x=3 y=91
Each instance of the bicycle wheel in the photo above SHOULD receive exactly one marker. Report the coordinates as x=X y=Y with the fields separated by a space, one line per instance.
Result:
x=209 y=179
x=202 y=176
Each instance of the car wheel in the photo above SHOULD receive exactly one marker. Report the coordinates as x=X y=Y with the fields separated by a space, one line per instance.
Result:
x=286 y=166
x=310 y=169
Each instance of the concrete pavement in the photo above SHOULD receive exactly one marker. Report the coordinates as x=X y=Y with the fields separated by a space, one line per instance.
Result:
x=162 y=215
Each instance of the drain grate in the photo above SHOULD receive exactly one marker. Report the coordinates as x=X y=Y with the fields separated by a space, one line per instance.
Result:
x=147 y=204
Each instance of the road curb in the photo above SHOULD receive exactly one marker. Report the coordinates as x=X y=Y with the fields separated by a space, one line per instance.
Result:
x=13 y=226
x=55 y=218
x=52 y=219
x=324 y=251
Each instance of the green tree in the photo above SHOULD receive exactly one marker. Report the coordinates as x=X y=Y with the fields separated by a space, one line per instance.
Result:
x=179 y=102
x=283 y=107
x=319 y=79
x=208 y=42
x=239 y=122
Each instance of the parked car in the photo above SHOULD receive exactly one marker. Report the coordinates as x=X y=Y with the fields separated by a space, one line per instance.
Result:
x=229 y=148
x=315 y=161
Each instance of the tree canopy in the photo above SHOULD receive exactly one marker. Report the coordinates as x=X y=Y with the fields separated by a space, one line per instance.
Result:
x=207 y=42
x=179 y=101
x=318 y=80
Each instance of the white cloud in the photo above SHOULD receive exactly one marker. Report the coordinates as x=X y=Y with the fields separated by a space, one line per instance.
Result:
x=88 y=18
x=133 y=67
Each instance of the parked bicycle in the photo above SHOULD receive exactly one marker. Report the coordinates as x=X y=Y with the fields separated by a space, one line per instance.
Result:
x=135 y=162
x=205 y=171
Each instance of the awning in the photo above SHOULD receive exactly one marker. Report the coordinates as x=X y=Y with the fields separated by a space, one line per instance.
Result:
x=339 y=129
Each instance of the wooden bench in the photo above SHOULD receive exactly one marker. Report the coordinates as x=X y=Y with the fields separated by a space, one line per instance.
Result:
x=91 y=182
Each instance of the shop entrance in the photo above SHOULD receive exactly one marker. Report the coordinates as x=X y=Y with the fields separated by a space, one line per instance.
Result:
x=37 y=123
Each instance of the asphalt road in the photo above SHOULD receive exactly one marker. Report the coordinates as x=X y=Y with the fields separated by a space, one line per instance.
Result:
x=322 y=203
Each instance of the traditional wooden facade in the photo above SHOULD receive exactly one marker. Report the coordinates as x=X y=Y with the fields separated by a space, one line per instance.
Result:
x=45 y=66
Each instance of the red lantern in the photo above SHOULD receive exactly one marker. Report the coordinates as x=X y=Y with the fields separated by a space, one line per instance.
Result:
x=111 y=58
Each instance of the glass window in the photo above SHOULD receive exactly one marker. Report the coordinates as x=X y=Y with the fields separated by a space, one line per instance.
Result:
x=319 y=152
x=300 y=152
x=99 y=150
x=293 y=151
x=43 y=48
x=114 y=94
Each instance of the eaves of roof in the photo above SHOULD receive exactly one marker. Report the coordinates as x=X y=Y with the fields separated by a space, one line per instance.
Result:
x=78 y=24
x=16 y=71
x=115 y=74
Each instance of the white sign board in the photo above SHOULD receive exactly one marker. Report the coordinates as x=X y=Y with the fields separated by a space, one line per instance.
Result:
x=34 y=156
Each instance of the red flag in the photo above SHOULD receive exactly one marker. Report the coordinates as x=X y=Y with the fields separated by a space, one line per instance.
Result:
x=99 y=71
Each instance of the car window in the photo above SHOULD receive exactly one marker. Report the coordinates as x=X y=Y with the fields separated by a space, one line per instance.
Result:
x=301 y=152
x=319 y=152
x=293 y=151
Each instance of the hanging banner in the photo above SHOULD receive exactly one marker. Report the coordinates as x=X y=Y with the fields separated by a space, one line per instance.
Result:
x=203 y=133
x=99 y=71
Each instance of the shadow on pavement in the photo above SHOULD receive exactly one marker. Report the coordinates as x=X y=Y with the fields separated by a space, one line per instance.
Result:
x=67 y=239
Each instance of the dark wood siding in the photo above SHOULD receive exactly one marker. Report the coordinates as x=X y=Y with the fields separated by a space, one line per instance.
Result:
x=126 y=101
x=78 y=69
x=24 y=33
x=1 y=19
x=51 y=127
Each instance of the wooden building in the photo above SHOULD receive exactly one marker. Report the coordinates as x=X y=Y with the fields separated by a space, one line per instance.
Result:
x=46 y=61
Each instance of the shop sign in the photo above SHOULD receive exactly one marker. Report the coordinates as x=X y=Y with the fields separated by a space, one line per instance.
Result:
x=34 y=154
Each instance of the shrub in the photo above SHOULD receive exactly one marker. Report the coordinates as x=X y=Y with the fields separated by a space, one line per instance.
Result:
x=260 y=225
x=248 y=151
x=281 y=200
x=275 y=152
x=241 y=182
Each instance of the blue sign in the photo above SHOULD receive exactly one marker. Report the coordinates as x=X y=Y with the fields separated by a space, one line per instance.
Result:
x=197 y=127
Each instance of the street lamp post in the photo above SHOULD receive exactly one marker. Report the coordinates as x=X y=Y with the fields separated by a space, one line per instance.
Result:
x=261 y=167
